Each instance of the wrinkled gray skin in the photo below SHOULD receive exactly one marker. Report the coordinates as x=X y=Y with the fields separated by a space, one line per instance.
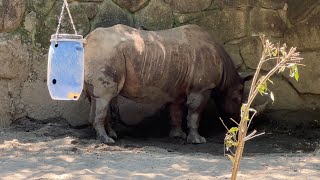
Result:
x=180 y=66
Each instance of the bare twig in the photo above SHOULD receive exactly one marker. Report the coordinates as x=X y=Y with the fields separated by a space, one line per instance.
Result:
x=234 y=121
x=248 y=138
x=254 y=113
x=223 y=124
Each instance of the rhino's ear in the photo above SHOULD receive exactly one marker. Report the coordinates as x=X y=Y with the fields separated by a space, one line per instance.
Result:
x=247 y=78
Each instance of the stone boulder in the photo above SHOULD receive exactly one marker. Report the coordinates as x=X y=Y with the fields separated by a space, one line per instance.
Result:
x=30 y=21
x=234 y=52
x=17 y=107
x=5 y=105
x=156 y=16
x=90 y=9
x=47 y=23
x=80 y=18
x=251 y=50
x=38 y=103
x=132 y=113
x=309 y=80
x=180 y=18
x=41 y=7
x=220 y=4
x=273 y=4
x=11 y=14
x=188 y=6
x=267 y=22
x=132 y=5
x=294 y=119
x=285 y=96
x=312 y=101
x=110 y=14
x=225 y=25
x=76 y=112
x=15 y=58
x=297 y=10
x=96 y=1
x=305 y=34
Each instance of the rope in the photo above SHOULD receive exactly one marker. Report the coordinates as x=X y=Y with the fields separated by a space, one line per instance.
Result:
x=65 y=5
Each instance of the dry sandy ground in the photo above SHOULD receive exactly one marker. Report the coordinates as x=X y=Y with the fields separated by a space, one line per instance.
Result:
x=55 y=151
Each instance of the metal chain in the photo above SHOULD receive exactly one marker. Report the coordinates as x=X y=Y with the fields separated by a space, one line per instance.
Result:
x=65 y=5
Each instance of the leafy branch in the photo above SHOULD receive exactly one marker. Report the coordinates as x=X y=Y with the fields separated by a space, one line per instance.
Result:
x=236 y=136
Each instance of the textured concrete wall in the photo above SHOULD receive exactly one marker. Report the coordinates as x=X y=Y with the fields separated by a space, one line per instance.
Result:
x=26 y=26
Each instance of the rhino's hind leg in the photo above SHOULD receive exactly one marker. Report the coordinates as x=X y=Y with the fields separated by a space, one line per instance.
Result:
x=111 y=133
x=176 y=119
x=101 y=107
x=196 y=103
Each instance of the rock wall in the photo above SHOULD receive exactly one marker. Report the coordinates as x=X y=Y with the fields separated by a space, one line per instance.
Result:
x=26 y=26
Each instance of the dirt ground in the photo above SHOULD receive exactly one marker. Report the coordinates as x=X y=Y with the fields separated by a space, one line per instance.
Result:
x=52 y=149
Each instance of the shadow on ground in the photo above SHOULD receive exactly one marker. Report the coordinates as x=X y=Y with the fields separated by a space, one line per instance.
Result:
x=153 y=133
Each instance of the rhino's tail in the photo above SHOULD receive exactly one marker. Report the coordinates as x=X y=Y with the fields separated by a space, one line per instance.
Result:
x=86 y=92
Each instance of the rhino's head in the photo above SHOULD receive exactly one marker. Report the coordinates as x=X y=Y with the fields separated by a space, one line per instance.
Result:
x=230 y=99
x=234 y=98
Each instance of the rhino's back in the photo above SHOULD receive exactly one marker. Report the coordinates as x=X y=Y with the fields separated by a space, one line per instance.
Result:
x=153 y=65
x=169 y=62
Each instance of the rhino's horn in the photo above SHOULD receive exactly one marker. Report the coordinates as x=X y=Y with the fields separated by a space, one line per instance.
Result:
x=260 y=108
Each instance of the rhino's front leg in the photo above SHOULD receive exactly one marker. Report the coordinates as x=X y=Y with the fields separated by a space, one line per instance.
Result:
x=101 y=107
x=193 y=124
x=196 y=103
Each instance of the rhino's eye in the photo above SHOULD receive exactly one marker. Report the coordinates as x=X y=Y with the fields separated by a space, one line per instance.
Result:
x=236 y=99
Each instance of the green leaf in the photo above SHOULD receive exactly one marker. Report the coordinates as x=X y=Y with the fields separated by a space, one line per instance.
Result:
x=233 y=129
x=231 y=158
x=228 y=143
x=275 y=52
x=235 y=144
x=296 y=75
x=263 y=88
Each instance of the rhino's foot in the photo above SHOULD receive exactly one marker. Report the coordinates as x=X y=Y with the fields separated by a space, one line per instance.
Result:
x=112 y=134
x=195 y=138
x=177 y=133
x=105 y=139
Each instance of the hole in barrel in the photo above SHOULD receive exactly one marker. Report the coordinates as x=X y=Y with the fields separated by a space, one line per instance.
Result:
x=56 y=45
x=54 y=81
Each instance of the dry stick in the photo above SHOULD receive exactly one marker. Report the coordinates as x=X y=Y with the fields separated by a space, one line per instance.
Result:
x=248 y=138
x=243 y=128
x=243 y=125
x=234 y=121
x=258 y=68
x=224 y=124
x=251 y=134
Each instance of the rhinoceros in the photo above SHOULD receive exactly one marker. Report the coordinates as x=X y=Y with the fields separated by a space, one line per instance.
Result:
x=180 y=66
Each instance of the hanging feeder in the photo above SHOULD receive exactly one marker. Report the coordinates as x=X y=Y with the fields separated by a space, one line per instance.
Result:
x=65 y=73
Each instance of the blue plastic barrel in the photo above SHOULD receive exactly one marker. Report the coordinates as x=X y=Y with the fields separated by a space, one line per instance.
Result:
x=65 y=73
